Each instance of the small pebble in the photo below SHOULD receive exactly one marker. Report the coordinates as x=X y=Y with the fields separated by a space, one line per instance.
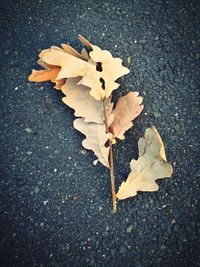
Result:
x=36 y=189
x=28 y=130
x=100 y=208
x=157 y=114
x=173 y=221
x=107 y=228
x=129 y=229
x=83 y=151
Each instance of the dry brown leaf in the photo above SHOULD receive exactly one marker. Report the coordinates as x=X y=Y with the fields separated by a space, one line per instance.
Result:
x=108 y=109
x=71 y=66
x=96 y=138
x=50 y=72
x=59 y=83
x=85 y=54
x=70 y=50
x=127 y=109
x=74 y=64
x=101 y=83
x=84 y=41
x=150 y=166
x=78 y=97
x=111 y=70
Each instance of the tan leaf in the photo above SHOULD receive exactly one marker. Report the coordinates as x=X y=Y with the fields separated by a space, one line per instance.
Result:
x=70 y=50
x=127 y=109
x=85 y=54
x=84 y=41
x=96 y=137
x=59 y=83
x=73 y=64
x=91 y=79
x=108 y=105
x=70 y=66
x=103 y=83
x=111 y=67
x=78 y=97
x=150 y=166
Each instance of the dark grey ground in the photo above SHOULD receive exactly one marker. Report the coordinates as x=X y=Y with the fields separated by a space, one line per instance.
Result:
x=55 y=205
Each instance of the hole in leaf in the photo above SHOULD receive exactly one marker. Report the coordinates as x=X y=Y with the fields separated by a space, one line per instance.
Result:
x=99 y=67
x=103 y=83
x=107 y=143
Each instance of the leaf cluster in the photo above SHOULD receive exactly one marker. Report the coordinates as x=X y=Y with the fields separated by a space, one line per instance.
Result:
x=87 y=80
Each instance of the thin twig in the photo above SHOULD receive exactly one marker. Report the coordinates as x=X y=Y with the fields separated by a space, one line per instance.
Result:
x=111 y=162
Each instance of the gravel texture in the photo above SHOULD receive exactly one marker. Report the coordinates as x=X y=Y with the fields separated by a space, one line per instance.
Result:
x=55 y=205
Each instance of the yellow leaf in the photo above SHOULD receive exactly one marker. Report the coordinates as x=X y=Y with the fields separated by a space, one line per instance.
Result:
x=127 y=109
x=150 y=166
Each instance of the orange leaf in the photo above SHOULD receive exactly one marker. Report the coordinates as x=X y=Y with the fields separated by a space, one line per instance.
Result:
x=44 y=75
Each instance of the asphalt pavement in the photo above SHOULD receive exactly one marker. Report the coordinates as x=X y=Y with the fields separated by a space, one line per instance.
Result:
x=55 y=205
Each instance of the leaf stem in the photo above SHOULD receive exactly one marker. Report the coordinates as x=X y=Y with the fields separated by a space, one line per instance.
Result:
x=111 y=162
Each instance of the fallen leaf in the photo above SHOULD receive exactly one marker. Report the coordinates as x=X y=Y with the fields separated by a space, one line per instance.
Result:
x=50 y=72
x=84 y=41
x=70 y=50
x=108 y=106
x=111 y=70
x=59 y=83
x=85 y=54
x=150 y=166
x=78 y=97
x=71 y=66
x=44 y=75
x=127 y=109
x=96 y=138
x=74 y=64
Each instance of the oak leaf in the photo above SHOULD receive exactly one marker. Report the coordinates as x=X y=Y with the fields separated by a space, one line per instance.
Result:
x=96 y=138
x=44 y=75
x=74 y=64
x=127 y=109
x=92 y=124
x=70 y=50
x=49 y=73
x=78 y=97
x=110 y=70
x=150 y=166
